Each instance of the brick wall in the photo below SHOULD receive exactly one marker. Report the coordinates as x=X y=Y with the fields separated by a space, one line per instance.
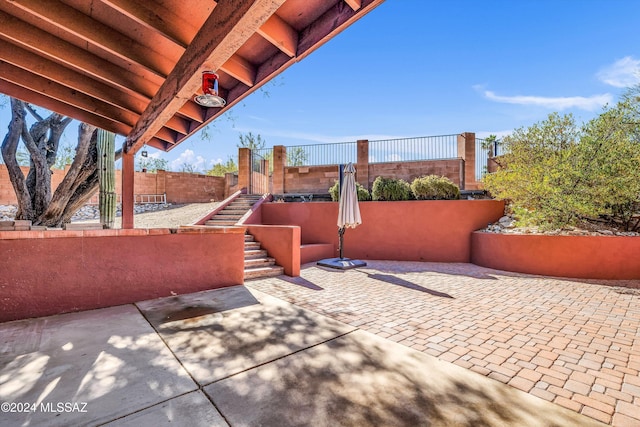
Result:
x=192 y=188
x=411 y=170
x=318 y=179
x=180 y=187
x=309 y=179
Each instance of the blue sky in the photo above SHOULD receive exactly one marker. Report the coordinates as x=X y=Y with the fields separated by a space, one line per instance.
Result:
x=430 y=67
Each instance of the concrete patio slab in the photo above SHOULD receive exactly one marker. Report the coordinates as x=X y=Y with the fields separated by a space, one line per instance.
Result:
x=359 y=379
x=192 y=409
x=221 y=332
x=100 y=365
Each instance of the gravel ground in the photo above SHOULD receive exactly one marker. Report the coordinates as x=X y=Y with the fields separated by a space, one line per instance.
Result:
x=170 y=217
x=145 y=215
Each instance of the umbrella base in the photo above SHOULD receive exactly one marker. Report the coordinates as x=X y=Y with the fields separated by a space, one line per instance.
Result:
x=342 y=263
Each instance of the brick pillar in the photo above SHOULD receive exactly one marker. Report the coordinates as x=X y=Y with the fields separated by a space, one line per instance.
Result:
x=244 y=169
x=362 y=165
x=279 y=162
x=127 y=188
x=467 y=152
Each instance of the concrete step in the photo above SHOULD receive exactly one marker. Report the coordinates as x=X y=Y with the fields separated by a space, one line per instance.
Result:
x=249 y=238
x=227 y=215
x=220 y=222
x=227 y=211
x=236 y=205
x=256 y=273
x=259 y=262
x=251 y=245
x=254 y=253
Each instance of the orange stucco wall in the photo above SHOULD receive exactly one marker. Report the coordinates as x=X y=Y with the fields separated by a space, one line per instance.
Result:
x=587 y=257
x=282 y=243
x=51 y=272
x=412 y=230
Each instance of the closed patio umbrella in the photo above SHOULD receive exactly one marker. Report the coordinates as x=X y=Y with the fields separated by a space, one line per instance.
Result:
x=348 y=217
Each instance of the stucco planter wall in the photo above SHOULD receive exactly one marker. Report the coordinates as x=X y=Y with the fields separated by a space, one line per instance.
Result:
x=586 y=257
x=434 y=230
x=52 y=272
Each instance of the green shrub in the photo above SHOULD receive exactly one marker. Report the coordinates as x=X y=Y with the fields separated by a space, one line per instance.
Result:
x=390 y=189
x=556 y=174
x=363 y=193
x=433 y=187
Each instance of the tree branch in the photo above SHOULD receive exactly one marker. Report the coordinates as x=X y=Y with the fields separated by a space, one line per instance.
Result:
x=9 y=150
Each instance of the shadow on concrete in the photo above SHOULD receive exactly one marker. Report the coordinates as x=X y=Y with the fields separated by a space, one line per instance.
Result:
x=109 y=359
x=359 y=379
x=190 y=306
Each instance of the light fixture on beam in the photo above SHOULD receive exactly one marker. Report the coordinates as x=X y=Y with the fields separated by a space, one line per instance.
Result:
x=210 y=96
x=144 y=152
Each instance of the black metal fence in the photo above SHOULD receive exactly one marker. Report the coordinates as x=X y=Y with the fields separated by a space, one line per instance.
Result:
x=413 y=149
x=322 y=154
x=483 y=150
x=259 y=178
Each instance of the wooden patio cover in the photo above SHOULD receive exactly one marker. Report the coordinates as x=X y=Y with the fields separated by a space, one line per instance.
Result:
x=133 y=67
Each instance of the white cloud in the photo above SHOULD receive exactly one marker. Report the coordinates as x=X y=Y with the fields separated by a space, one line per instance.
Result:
x=590 y=103
x=189 y=157
x=624 y=72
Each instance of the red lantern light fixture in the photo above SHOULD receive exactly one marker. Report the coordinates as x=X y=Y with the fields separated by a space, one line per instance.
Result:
x=210 y=96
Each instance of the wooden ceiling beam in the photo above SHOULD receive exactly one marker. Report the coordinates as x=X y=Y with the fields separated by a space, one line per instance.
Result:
x=280 y=34
x=223 y=33
x=64 y=108
x=67 y=77
x=354 y=4
x=58 y=50
x=61 y=93
x=240 y=69
x=94 y=32
x=158 y=18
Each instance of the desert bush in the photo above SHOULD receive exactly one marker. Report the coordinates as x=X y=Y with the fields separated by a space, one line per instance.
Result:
x=433 y=187
x=390 y=189
x=363 y=193
x=556 y=174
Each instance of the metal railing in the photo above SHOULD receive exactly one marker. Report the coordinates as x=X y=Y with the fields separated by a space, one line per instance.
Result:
x=322 y=154
x=413 y=149
x=482 y=156
x=137 y=198
x=259 y=178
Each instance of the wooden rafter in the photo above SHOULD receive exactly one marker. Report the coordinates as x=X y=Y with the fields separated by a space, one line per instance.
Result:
x=226 y=29
x=96 y=33
x=132 y=67
x=241 y=69
x=354 y=4
x=157 y=18
x=280 y=34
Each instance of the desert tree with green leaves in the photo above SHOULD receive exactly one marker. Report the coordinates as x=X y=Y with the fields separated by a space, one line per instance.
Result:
x=556 y=174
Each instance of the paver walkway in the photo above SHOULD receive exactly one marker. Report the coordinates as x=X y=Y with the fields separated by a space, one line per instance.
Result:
x=572 y=342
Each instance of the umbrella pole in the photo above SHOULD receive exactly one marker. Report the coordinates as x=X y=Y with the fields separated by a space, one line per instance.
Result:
x=341 y=240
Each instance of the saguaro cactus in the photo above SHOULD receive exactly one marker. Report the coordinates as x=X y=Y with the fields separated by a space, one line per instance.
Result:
x=107 y=177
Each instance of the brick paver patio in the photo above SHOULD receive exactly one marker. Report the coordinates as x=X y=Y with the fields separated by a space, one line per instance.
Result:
x=573 y=342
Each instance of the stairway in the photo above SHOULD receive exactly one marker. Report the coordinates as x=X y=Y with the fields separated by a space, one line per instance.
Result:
x=235 y=210
x=257 y=263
